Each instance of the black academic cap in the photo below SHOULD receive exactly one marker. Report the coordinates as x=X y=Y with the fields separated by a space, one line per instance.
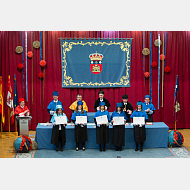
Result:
x=101 y=92
x=125 y=96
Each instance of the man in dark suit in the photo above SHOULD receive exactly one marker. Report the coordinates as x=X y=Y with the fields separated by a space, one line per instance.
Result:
x=101 y=99
x=127 y=107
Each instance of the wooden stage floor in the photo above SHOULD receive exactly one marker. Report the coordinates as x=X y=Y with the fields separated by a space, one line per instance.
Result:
x=7 y=149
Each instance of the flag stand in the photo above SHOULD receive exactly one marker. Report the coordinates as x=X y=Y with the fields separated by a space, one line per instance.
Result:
x=9 y=134
x=1 y=135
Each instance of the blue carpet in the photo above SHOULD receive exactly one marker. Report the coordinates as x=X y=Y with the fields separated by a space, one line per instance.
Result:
x=180 y=152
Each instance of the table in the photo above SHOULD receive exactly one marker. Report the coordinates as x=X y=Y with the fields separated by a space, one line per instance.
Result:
x=156 y=136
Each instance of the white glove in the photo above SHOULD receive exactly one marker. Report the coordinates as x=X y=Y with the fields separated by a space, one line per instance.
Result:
x=150 y=112
x=97 y=108
x=51 y=112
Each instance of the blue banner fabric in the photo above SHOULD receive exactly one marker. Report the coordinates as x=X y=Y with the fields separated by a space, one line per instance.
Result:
x=96 y=63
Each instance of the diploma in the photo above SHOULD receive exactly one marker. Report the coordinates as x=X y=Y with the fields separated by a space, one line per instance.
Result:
x=102 y=119
x=81 y=119
x=118 y=121
x=60 y=120
x=138 y=120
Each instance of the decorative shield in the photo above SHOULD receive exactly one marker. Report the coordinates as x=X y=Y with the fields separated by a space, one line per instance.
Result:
x=96 y=63
x=145 y=51
x=36 y=44
x=156 y=42
x=19 y=49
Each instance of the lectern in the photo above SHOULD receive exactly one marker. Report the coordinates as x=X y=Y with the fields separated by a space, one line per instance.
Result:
x=23 y=124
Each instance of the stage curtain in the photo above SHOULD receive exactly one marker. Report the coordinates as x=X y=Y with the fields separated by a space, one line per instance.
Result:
x=177 y=59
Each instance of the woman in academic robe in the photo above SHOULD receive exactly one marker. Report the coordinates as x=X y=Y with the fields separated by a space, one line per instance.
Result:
x=58 y=131
x=139 y=130
x=149 y=108
x=80 y=129
x=102 y=130
x=118 y=136
x=52 y=105
x=21 y=110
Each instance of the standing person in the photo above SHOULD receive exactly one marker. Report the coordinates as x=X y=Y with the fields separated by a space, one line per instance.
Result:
x=102 y=130
x=74 y=104
x=21 y=110
x=58 y=131
x=127 y=107
x=118 y=137
x=139 y=130
x=52 y=105
x=101 y=99
x=80 y=129
x=149 y=108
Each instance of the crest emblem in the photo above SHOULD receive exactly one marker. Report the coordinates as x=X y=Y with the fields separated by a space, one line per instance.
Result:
x=96 y=62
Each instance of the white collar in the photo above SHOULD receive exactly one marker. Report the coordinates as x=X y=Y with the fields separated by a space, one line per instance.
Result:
x=79 y=110
x=55 y=101
x=101 y=100
x=138 y=110
x=125 y=103
x=22 y=106
x=147 y=104
x=119 y=112
x=102 y=110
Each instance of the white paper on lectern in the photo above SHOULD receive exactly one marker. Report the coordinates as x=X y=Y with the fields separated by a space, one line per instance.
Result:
x=118 y=121
x=138 y=120
x=102 y=119
x=81 y=119
x=61 y=120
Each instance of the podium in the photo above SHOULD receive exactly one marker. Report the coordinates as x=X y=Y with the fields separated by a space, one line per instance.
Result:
x=23 y=124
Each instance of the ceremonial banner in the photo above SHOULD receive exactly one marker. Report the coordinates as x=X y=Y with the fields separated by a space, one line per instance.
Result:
x=96 y=63
x=10 y=101
x=2 y=110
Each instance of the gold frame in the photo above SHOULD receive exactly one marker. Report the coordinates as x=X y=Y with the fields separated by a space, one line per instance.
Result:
x=67 y=46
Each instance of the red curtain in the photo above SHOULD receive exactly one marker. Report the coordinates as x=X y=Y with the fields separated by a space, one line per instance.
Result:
x=177 y=59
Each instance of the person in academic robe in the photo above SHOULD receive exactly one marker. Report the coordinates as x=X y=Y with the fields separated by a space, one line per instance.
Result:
x=74 y=104
x=139 y=130
x=80 y=129
x=101 y=99
x=102 y=130
x=149 y=108
x=127 y=107
x=58 y=130
x=52 y=105
x=118 y=136
x=21 y=110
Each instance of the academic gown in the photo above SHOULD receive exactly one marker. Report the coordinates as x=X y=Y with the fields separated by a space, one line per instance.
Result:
x=130 y=107
x=151 y=107
x=102 y=131
x=139 y=132
x=80 y=130
x=118 y=136
x=52 y=107
x=97 y=102
x=58 y=135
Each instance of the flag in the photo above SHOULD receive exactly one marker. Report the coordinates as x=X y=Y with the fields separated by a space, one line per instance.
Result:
x=15 y=94
x=2 y=111
x=10 y=101
x=176 y=100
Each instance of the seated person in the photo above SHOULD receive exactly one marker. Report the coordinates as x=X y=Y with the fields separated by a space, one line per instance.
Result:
x=52 y=105
x=74 y=104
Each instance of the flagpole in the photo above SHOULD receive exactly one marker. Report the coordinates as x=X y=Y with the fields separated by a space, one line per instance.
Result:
x=175 y=124
x=2 y=136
